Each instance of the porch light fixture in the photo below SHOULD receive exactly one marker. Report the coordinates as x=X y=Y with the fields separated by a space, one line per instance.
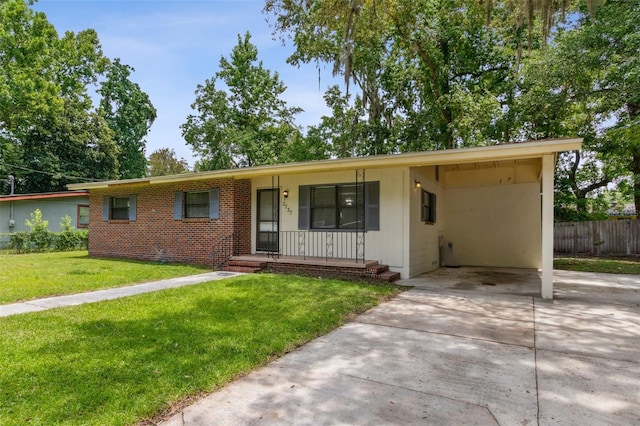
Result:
x=418 y=184
x=285 y=193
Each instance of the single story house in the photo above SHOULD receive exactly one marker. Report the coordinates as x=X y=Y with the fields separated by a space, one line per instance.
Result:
x=16 y=208
x=485 y=206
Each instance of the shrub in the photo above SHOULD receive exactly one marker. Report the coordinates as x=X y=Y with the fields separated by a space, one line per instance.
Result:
x=83 y=238
x=68 y=238
x=19 y=241
x=39 y=238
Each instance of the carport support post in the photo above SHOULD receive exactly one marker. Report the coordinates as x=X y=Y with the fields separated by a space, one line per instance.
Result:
x=548 y=166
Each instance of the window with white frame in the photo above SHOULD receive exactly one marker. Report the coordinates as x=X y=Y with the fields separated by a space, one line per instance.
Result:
x=83 y=216
x=428 y=207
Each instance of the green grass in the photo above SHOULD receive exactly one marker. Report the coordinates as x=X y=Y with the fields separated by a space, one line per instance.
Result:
x=121 y=361
x=31 y=276
x=611 y=266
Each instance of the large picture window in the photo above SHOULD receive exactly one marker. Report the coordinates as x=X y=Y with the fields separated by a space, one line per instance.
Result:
x=340 y=206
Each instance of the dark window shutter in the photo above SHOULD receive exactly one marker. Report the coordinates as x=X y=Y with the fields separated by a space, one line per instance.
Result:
x=106 y=205
x=304 y=206
x=214 y=203
x=133 y=215
x=177 y=205
x=372 y=206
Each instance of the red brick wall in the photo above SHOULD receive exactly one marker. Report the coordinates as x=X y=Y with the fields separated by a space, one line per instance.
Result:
x=155 y=235
x=317 y=270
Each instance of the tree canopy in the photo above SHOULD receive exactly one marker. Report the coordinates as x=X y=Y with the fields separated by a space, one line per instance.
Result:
x=130 y=114
x=51 y=133
x=587 y=83
x=164 y=162
x=245 y=124
x=438 y=74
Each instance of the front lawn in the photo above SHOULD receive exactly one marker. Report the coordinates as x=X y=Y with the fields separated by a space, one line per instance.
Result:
x=31 y=276
x=594 y=264
x=122 y=361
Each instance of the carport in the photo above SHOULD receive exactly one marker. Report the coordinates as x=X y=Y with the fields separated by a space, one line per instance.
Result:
x=495 y=211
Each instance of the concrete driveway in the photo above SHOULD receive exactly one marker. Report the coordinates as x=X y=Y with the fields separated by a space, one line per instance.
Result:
x=464 y=346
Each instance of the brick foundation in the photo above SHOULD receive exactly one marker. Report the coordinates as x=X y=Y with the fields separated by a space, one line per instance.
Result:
x=316 y=270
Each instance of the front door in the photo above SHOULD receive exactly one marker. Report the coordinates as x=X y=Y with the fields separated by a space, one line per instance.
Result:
x=268 y=212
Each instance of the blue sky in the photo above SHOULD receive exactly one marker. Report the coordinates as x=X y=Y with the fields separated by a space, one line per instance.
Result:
x=175 y=45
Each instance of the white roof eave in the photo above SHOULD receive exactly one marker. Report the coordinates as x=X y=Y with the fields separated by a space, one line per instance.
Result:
x=523 y=150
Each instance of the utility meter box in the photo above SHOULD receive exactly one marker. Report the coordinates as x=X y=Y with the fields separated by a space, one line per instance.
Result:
x=12 y=223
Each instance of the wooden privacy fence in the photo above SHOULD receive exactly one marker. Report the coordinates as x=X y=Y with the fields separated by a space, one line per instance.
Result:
x=598 y=237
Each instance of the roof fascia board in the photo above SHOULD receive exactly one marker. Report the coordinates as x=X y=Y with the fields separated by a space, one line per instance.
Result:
x=21 y=197
x=521 y=150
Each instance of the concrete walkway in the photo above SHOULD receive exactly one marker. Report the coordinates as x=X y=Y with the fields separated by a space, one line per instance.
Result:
x=464 y=346
x=108 y=294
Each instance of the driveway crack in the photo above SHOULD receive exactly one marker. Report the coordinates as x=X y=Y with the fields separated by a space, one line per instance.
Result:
x=480 y=339
x=423 y=393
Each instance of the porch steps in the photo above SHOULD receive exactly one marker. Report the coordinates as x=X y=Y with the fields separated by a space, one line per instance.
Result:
x=370 y=269
x=377 y=269
x=389 y=276
x=247 y=266
x=382 y=272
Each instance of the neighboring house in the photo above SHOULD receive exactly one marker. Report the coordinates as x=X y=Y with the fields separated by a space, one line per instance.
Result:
x=15 y=209
x=488 y=206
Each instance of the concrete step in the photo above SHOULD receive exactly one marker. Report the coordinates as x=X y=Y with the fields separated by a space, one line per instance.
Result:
x=245 y=269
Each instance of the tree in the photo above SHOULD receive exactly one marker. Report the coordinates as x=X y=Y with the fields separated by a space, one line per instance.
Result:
x=248 y=124
x=49 y=134
x=25 y=38
x=73 y=145
x=164 y=162
x=587 y=83
x=130 y=114
x=341 y=131
x=429 y=74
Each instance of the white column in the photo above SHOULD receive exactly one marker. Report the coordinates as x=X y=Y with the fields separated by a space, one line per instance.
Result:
x=548 y=167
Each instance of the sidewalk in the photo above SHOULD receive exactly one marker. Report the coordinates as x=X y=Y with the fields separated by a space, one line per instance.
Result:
x=108 y=294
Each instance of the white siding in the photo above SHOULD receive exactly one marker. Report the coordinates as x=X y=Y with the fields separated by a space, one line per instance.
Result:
x=424 y=249
x=495 y=225
x=388 y=246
